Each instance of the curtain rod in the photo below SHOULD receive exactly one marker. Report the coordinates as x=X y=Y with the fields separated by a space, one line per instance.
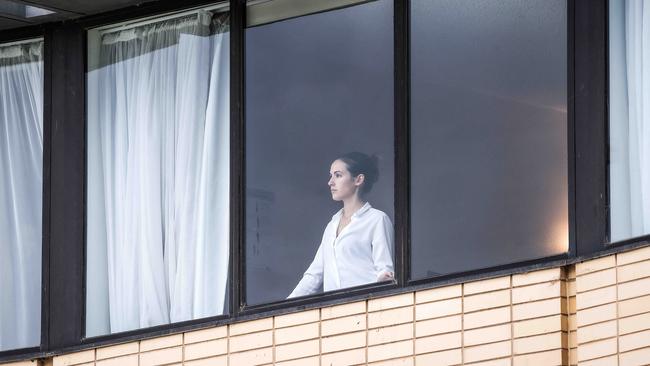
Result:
x=21 y=42
x=155 y=19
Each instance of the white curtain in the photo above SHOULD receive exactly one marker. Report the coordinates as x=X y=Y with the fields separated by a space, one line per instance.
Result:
x=630 y=118
x=21 y=186
x=160 y=118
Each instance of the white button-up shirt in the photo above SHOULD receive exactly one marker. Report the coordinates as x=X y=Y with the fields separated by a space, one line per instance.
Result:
x=360 y=254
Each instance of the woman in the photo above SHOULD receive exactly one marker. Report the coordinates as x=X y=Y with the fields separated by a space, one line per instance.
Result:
x=358 y=241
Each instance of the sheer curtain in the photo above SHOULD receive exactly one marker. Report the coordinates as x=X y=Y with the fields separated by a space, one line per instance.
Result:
x=630 y=118
x=21 y=186
x=159 y=174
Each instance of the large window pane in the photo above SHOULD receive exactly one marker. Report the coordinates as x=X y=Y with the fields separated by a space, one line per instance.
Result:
x=629 y=118
x=158 y=172
x=317 y=88
x=489 y=133
x=21 y=187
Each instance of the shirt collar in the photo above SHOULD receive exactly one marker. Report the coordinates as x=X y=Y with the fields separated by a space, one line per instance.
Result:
x=359 y=212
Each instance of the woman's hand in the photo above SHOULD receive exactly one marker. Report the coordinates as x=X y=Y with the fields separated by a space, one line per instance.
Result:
x=386 y=276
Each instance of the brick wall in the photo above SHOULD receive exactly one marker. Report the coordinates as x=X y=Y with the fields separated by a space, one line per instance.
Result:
x=593 y=313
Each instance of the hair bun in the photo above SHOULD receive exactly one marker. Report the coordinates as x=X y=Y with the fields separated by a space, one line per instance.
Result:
x=360 y=163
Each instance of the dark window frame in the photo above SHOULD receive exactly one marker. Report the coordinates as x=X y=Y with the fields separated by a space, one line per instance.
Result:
x=64 y=269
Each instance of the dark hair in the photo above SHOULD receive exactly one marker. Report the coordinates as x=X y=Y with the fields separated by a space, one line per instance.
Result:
x=360 y=163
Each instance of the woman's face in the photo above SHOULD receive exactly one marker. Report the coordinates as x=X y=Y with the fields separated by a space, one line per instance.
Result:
x=342 y=184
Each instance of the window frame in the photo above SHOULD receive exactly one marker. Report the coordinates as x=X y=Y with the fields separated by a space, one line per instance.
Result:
x=64 y=187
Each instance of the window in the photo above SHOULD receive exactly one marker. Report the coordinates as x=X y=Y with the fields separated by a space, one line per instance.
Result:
x=318 y=88
x=629 y=119
x=21 y=187
x=488 y=133
x=158 y=171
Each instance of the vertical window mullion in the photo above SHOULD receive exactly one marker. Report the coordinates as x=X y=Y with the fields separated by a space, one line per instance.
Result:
x=402 y=144
x=237 y=196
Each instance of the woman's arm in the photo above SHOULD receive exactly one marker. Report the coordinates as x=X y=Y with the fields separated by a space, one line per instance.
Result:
x=382 y=248
x=312 y=280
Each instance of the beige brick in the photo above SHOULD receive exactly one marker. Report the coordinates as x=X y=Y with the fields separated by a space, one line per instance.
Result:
x=440 y=293
x=255 y=357
x=343 y=310
x=592 y=281
x=537 y=309
x=205 y=334
x=296 y=333
x=570 y=271
x=540 y=291
x=390 y=334
x=161 y=342
x=212 y=361
x=486 y=317
x=486 y=351
x=539 y=343
x=635 y=288
x=489 y=285
x=251 y=341
x=129 y=360
x=635 y=358
x=343 y=342
x=404 y=361
x=632 y=256
x=212 y=348
x=546 y=275
x=444 y=358
x=548 y=358
x=118 y=350
x=438 y=343
x=597 y=349
x=390 y=302
x=571 y=288
x=163 y=356
x=297 y=350
x=438 y=325
x=597 y=297
x=487 y=300
x=595 y=265
x=390 y=317
x=573 y=339
x=634 y=341
x=634 y=323
x=573 y=322
x=438 y=309
x=251 y=326
x=309 y=361
x=351 y=357
x=634 y=306
x=596 y=332
x=537 y=326
x=303 y=317
x=573 y=356
x=353 y=323
x=606 y=361
x=633 y=271
x=498 y=362
x=74 y=358
x=487 y=335
x=391 y=350
x=596 y=315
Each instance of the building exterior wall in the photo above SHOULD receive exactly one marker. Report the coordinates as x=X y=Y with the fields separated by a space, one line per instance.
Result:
x=593 y=313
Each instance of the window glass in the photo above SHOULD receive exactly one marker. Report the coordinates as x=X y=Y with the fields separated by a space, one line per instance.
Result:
x=319 y=140
x=158 y=172
x=629 y=119
x=489 y=133
x=21 y=187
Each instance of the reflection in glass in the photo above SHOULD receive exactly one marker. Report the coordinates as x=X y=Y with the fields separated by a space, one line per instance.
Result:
x=317 y=88
x=489 y=133
x=629 y=119
x=21 y=187
x=158 y=168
